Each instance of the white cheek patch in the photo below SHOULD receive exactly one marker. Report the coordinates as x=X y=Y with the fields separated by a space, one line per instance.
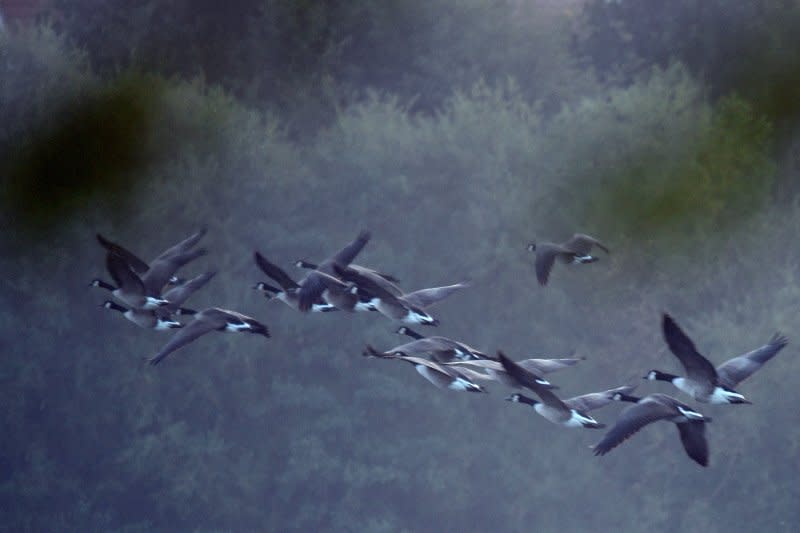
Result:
x=691 y=415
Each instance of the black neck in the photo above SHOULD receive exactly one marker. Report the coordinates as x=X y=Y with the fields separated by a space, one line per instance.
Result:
x=413 y=334
x=621 y=397
x=116 y=307
x=305 y=264
x=663 y=376
x=524 y=399
x=104 y=285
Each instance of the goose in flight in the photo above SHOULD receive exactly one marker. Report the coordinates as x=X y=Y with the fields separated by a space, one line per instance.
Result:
x=652 y=408
x=703 y=382
x=206 y=321
x=574 y=250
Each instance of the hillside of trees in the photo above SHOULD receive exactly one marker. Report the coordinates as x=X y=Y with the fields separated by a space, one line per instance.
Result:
x=456 y=132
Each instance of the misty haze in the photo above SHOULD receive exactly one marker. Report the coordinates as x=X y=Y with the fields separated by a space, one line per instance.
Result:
x=433 y=144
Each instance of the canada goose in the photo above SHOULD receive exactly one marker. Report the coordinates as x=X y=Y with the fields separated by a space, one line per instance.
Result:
x=144 y=319
x=158 y=318
x=314 y=284
x=587 y=402
x=437 y=374
x=361 y=300
x=130 y=287
x=288 y=293
x=655 y=407
x=551 y=407
x=212 y=319
x=703 y=382
x=181 y=249
x=496 y=371
x=444 y=349
x=388 y=304
x=575 y=250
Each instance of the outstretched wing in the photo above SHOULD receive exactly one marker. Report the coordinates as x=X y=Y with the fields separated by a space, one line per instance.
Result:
x=693 y=438
x=740 y=368
x=179 y=294
x=582 y=244
x=426 y=297
x=183 y=246
x=631 y=420
x=275 y=272
x=185 y=335
x=136 y=264
x=526 y=378
x=545 y=257
x=125 y=278
x=697 y=367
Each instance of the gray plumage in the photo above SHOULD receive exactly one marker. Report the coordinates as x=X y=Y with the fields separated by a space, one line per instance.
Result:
x=438 y=375
x=212 y=319
x=704 y=382
x=574 y=250
x=314 y=284
x=691 y=425
x=551 y=407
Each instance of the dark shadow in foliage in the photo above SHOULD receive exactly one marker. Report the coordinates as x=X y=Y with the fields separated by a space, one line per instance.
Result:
x=743 y=46
x=94 y=148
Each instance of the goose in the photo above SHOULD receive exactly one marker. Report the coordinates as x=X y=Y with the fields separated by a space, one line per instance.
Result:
x=705 y=383
x=652 y=408
x=574 y=250
x=211 y=319
x=586 y=402
x=144 y=319
x=289 y=288
x=158 y=318
x=314 y=284
x=443 y=349
x=140 y=267
x=551 y=407
x=130 y=288
x=362 y=300
x=437 y=374
x=495 y=370
x=385 y=302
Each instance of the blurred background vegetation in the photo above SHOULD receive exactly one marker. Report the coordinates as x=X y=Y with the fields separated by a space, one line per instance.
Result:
x=456 y=132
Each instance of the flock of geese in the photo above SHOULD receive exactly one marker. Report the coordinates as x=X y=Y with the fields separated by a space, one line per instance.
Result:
x=151 y=296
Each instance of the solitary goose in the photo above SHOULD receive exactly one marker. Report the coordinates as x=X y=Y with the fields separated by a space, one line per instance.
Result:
x=212 y=319
x=551 y=407
x=314 y=284
x=652 y=408
x=144 y=319
x=289 y=288
x=437 y=374
x=388 y=304
x=575 y=250
x=140 y=267
x=704 y=382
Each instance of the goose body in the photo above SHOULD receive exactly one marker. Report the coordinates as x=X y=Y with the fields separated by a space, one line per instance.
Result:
x=206 y=321
x=703 y=382
x=145 y=319
x=551 y=406
x=652 y=408
x=574 y=250
x=435 y=373
x=443 y=349
x=289 y=291
x=315 y=283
